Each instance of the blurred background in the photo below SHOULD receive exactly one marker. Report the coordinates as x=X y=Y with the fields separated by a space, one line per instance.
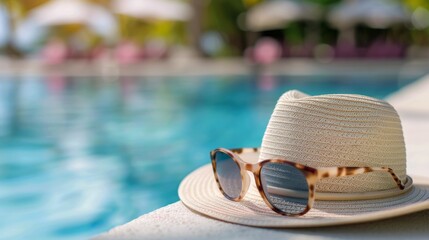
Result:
x=106 y=105
x=129 y=31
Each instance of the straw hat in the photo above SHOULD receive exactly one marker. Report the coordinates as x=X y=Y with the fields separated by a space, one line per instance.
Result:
x=323 y=131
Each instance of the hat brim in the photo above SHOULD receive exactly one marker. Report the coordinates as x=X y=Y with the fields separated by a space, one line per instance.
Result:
x=199 y=192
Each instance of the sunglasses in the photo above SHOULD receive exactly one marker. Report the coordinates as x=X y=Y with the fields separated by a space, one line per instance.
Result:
x=288 y=188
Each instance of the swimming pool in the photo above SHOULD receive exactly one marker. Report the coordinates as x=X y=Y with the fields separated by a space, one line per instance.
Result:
x=81 y=155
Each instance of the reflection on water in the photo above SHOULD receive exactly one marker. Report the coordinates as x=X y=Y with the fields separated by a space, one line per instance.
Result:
x=81 y=155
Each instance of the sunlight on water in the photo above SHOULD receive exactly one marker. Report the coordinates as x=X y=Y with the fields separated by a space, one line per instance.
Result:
x=81 y=155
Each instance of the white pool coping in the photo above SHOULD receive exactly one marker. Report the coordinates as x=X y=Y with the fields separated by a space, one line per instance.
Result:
x=189 y=67
x=175 y=221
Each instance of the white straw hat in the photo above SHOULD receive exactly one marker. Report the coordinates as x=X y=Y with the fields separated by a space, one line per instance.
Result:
x=323 y=131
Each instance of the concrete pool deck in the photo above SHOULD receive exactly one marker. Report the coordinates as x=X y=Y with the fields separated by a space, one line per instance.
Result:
x=175 y=221
x=204 y=67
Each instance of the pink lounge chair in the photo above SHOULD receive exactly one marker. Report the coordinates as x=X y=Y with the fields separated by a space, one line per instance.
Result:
x=380 y=49
x=266 y=51
x=346 y=50
x=127 y=53
x=55 y=52
x=155 y=50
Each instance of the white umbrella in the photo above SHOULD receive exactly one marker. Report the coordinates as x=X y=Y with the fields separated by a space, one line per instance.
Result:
x=374 y=13
x=62 y=12
x=277 y=13
x=154 y=9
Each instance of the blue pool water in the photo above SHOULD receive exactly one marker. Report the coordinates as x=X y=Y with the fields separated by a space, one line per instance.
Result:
x=81 y=155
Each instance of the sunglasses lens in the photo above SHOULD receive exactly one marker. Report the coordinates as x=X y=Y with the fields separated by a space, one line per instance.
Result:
x=285 y=187
x=228 y=174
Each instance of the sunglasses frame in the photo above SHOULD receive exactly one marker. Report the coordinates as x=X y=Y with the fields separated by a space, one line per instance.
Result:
x=312 y=175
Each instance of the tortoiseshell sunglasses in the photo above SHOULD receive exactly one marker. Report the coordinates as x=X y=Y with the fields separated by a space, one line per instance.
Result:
x=286 y=187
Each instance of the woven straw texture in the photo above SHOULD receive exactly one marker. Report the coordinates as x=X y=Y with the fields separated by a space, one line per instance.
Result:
x=338 y=130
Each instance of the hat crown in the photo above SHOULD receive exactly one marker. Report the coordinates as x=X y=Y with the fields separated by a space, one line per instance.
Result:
x=338 y=130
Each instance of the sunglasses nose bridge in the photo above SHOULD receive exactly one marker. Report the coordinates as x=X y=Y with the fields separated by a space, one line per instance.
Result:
x=251 y=167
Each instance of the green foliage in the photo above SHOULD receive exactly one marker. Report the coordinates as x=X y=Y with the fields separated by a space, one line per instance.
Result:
x=222 y=15
x=294 y=33
x=413 y=4
x=325 y=2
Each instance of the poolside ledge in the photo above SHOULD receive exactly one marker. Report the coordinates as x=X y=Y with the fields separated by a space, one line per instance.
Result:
x=175 y=221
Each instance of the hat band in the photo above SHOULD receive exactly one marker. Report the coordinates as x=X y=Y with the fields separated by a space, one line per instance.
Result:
x=335 y=196
x=251 y=155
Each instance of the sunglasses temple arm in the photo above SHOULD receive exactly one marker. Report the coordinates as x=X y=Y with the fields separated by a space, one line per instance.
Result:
x=327 y=172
